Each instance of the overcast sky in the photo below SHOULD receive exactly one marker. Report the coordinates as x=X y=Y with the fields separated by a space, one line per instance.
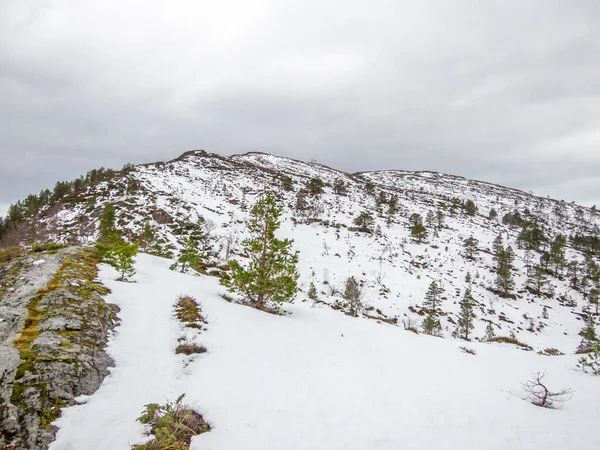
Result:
x=506 y=91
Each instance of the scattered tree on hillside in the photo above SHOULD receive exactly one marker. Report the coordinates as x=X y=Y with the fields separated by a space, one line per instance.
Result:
x=588 y=333
x=190 y=254
x=557 y=254
x=339 y=187
x=107 y=227
x=147 y=237
x=419 y=233
x=537 y=281
x=466 y=316
x=286 y=183
x=471 y=246
x=315 y=186
x=504 y=279
x=312 y=291
x=430 y=219
x=392 y=209
x=122 y=259
x=470 y=207
x=489 y=332
x=271 y=275
x=353 y=294
x=492 y=214
x=432 y=302
x=364 y=221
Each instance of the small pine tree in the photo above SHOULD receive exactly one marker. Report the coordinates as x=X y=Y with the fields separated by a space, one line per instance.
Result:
x=493 y=214
x=312 y=291
x=107 y=227
x=315 y=186
x=353 y=294
x=471 y=247
x=433 y=297
x=122 y=259
x=339 y=187
x=466 y=316
x=430 y=219
x=286 y=183
x=469 y=280
x=147 y=237
x=419 y=233
x=489 y=332
x=271 y=275
x=588 y=333
x=364 y=221
x=470 y=208
x=431 y=325
x=504 y=279
x=590 y=363
x=537 y=281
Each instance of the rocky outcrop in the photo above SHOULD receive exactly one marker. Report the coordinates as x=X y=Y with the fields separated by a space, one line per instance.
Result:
x=54 y=325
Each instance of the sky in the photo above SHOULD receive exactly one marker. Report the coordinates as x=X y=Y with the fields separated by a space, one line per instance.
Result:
x=506 y=91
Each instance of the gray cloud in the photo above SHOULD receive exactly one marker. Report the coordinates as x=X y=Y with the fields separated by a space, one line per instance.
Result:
x=504 y=91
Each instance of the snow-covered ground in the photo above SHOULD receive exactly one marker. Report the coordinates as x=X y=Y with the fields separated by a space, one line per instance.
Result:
x=317 y=379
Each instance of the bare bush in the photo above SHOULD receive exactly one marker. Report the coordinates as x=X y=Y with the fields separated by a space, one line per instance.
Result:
x=540 y=395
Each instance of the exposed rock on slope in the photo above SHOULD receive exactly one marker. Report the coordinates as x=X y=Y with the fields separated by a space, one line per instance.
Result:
x=54 y=325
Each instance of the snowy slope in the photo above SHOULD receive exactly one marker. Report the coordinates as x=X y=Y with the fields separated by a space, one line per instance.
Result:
x=317 y=379
x=395 y=272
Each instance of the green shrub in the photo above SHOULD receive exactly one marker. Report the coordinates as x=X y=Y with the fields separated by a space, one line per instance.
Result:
x=173 y=425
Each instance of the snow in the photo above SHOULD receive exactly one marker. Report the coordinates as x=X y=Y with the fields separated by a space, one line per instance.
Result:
x=316 y=379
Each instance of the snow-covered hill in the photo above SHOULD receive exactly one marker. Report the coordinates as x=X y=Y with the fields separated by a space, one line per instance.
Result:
x=319 y=377
x=316 y=379
x=393 y=269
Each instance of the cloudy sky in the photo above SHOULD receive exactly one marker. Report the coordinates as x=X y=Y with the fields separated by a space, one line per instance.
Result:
x=506 y=91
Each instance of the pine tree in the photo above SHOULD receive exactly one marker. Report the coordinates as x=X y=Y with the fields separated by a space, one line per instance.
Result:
x=364 y=221
x=466 y=316
x=430 y=219
x=286 y=183
x=433 y=297
x=432 y=302
x=470 y=208
x=537 y=280
x=271 y=275
x=431 y=325
x=339 y=187
x=189 y=256
x=147 y=237
x=392 y=209
x=489 y=332
x=498 y=247
x=504 y=279
x=469 y=279
x=107 y=227
x=557 y=253
x=594 y=298
x=419 y=233
x=352 y=294
x=122 y=259
x=471 y=247
x=588 y=333
x=312 y=291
